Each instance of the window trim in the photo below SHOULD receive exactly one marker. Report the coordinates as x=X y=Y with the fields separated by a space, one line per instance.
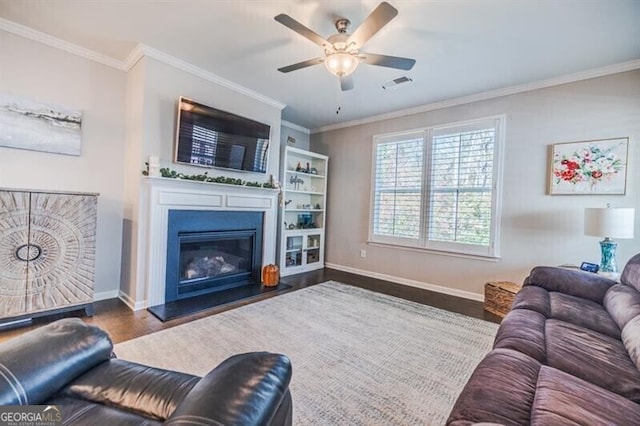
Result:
x=422 y=243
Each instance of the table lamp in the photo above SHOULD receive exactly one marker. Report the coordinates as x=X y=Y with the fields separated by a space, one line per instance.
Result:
x=609 y=223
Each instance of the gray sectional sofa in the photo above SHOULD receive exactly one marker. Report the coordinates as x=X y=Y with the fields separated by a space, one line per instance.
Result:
x=568 y=353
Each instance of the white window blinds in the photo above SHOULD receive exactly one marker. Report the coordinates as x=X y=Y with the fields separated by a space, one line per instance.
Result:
x=461 y=185
x=398 y=188
x=437 y=188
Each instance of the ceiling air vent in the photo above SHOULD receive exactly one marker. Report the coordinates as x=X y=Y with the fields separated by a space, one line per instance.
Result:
x=393 y=84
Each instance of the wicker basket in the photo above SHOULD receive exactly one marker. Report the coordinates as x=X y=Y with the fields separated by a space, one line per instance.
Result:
x=498 y=297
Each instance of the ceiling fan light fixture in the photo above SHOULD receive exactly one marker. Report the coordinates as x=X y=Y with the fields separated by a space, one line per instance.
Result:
x=341 y=51
x=341 y=64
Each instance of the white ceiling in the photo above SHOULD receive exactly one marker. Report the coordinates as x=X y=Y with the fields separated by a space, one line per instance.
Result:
x=462 y=47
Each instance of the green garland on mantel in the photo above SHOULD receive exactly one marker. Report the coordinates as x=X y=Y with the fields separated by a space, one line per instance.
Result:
x=168 y=173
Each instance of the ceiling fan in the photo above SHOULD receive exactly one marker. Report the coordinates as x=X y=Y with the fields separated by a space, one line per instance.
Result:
x=341 y=50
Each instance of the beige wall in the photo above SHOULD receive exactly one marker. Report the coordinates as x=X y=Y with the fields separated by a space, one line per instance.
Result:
x=163 y=84
x=37 y=71
x=127 y=116
x=303 y=139
x=536 y=228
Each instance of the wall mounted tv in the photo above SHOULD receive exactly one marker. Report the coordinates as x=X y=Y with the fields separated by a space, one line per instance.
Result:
x=209 y=137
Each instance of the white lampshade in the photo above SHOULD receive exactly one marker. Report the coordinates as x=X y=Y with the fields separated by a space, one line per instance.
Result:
x=609 y=222
x=341 y=64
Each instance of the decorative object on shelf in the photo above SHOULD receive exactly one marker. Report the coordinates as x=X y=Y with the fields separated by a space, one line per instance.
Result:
x=318 y=207
x=296 y=181
x=154 y=166
x=172 y=174
x=270 y=275
x=589 y=168
x=39 y=126
x=609 y=223
x=291 y=140
x=273 y=183
x=305 y=221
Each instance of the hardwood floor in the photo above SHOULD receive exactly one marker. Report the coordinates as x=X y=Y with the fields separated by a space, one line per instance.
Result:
x=124 y=324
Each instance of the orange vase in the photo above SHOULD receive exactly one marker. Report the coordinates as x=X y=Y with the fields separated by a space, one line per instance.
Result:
x=270 y=275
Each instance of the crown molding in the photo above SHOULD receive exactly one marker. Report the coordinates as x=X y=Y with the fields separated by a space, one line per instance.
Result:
x=295 y=127
x=491 y=94
x=49 y=40
x=142 y=50
x=136 y=54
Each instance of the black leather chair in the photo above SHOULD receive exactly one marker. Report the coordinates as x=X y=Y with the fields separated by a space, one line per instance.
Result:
x=69 y=364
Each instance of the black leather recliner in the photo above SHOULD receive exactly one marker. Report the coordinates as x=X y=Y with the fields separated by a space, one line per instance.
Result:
x=69 y=364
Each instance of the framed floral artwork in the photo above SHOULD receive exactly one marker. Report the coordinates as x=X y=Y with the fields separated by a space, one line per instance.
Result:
x=589 y=168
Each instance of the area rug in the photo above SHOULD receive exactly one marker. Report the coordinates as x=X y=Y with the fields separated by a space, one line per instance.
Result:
x=359 y=357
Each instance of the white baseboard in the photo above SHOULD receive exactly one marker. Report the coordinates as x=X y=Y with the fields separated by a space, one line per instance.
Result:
x=132 y=304
x=412 y=283
x=104 y=295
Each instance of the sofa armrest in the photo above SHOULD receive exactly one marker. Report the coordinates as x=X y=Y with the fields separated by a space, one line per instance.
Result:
x=573 y=282
x=37 y=364
x=246 y=389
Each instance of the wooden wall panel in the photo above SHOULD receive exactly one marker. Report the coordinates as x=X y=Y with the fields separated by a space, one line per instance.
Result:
x=47 y=251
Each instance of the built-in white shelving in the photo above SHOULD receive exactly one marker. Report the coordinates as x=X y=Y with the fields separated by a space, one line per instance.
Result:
x=302 y=216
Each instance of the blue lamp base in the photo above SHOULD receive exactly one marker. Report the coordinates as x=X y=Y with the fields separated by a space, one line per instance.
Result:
x=608 y=249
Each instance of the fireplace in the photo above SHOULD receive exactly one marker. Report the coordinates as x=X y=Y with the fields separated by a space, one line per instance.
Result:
x=147 y=267
x=210 y=251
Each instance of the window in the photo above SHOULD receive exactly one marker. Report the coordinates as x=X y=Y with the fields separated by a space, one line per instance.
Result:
x=203 y=148
x=437 y=188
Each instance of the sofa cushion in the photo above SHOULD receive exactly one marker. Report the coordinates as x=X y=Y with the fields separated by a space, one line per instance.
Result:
x=533 y=298
x=582 y=312
x=631 y=273
x=622 y=303
x=631 y=340
x=584 y=285
x=148 y=391
x=564 y=399
x=576 y=310
x=523 y=330
x=593 y=357
x=81 y=412
x=500 y=390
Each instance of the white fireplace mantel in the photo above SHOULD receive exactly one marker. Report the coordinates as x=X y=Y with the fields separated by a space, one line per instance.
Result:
x=159 y=195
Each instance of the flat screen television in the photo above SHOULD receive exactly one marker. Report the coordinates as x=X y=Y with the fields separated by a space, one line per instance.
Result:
x=209 y=137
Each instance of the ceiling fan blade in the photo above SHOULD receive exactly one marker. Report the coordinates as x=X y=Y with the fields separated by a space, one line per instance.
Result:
x=387 y=61
x=305 y=32
x=346 y=83
x=380 y=17
x=300 y=65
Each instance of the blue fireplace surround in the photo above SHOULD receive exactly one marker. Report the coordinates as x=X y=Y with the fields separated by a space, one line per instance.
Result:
x=194 y=226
